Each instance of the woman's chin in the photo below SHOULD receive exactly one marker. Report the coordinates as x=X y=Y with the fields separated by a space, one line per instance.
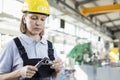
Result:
x=35 y=33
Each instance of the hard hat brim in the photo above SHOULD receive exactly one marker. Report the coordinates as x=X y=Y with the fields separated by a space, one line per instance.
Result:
x=35 y=13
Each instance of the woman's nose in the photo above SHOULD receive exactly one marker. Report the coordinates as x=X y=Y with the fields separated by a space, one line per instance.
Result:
x=39 y=23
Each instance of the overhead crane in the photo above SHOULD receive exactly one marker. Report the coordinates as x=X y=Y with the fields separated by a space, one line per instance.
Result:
x=100 y=9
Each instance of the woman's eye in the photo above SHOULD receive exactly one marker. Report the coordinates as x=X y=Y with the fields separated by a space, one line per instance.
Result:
x=42 y=19
x=34 y=18
x=37 y=18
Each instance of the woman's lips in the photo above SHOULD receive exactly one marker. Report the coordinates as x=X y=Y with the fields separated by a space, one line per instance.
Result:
x=37 y=29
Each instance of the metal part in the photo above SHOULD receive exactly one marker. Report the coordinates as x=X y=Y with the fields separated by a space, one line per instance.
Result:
x=85 y=2
x=44 y=61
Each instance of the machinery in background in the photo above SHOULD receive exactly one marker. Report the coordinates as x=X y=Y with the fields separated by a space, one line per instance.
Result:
x=83 y=54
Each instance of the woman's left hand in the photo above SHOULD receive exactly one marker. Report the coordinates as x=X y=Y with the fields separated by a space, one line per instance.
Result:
x=57 y=65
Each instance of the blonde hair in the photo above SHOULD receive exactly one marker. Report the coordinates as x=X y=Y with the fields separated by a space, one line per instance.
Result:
x=23 y=28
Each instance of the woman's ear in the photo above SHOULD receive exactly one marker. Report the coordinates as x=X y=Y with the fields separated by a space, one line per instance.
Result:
x=24 y=18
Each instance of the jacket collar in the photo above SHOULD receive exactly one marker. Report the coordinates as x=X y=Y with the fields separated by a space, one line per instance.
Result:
x=29 y=40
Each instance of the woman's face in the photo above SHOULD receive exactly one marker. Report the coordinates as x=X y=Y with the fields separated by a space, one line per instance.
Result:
x=34 y=23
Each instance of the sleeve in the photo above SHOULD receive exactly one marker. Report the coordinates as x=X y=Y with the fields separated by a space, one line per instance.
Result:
x=6 y=59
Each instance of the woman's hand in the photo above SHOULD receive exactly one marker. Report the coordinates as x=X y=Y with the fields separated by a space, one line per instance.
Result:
x=57 y=65
x=28 y=71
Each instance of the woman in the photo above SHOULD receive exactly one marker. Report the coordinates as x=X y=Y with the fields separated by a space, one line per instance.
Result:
x=19 y=57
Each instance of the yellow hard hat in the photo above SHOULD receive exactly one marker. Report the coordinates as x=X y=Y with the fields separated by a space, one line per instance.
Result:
x=36 y=6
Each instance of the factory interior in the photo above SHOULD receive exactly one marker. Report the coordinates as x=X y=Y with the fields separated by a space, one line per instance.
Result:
x=85 y=34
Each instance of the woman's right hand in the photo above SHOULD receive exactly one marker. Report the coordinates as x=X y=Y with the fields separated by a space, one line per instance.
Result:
x=28 y=71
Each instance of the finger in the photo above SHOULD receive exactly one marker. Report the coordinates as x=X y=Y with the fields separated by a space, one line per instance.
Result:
x=31 y=72
x=32 y=68
x=29 y=75
x=57 y=64
x=60 y=64
x=53 y=66
x=57 y=60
